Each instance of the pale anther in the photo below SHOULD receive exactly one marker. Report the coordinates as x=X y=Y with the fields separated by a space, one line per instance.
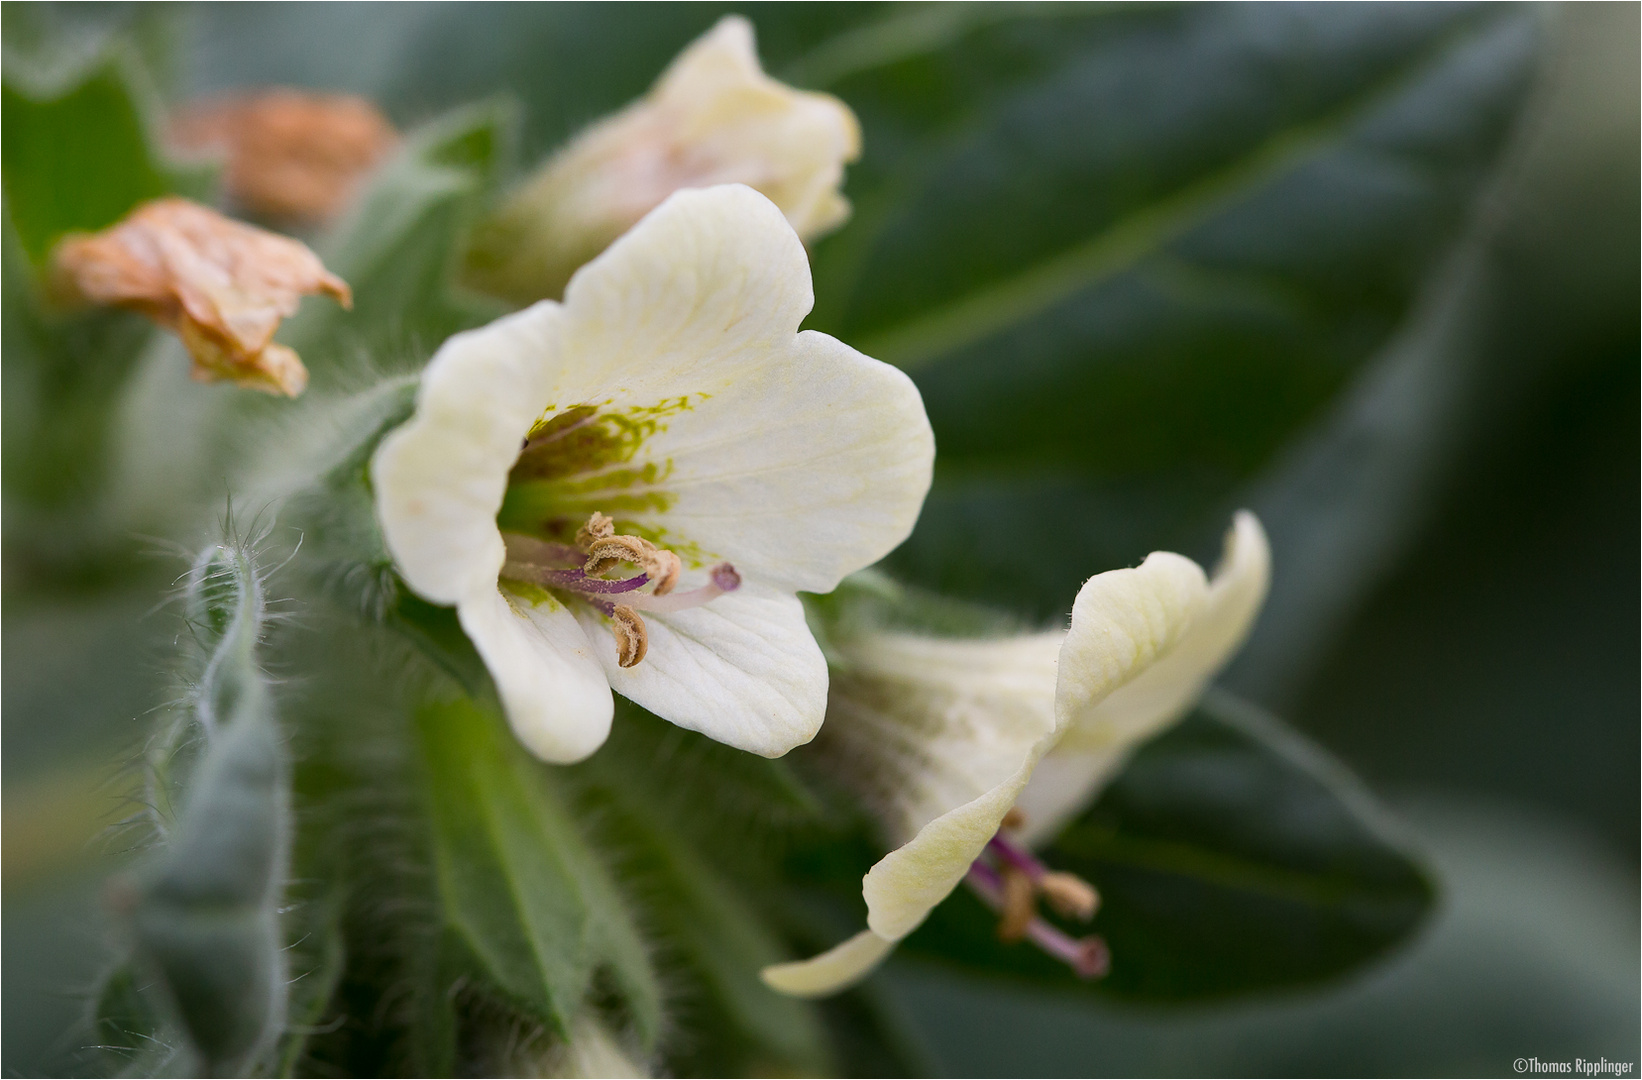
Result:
x=1070 y=895
x=598 y=527
x=1019 y=905
x=631 y=640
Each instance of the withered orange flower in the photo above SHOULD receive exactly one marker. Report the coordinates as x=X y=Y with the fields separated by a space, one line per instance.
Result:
x=290 y=154
x=221 y=285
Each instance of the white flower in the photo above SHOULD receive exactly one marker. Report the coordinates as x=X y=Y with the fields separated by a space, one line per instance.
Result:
x=742 y=462
x=713 y=117
x=942 y=737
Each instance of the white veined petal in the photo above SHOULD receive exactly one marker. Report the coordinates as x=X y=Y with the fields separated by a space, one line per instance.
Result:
x=904 y=886
x=440 y=477
x=808 y=463
x=724 y=58
x=709 y=277
x=555 y=693
x=839 y=967
x=1168 y=688
x=1103 y=733
x=923 y=724
x=789 y=144
x=790 y=455
x=743 y=670
x=1122 y=621
x=1065 y=782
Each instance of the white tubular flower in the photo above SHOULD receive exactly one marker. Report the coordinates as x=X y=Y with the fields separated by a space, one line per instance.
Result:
x=668 y=418
x=713 y=117
x=942 y=736
x=1095 y=748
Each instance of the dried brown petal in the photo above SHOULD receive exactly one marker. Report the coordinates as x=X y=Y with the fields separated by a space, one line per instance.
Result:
x=221 y=285
x=290 y=154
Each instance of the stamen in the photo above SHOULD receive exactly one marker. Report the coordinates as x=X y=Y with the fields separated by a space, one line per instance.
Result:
x=631 y=640
x=723 y=579
x=1015 y=819
x=1018 y=857
x=577 y=570
x=1070 y=895
x=528 y=549
x=665 y=573
x=1019 y=905
x=1067 y=893
x=598 y=527
x=570 y=579
x=1088 y=957
x=605 y=553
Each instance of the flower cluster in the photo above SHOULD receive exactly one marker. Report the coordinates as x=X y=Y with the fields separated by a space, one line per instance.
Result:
x=626 y=490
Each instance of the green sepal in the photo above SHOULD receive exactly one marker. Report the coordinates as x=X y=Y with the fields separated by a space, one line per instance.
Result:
x=398 y=245
x=204 y=914
x=1233 y=857
x=530 y=901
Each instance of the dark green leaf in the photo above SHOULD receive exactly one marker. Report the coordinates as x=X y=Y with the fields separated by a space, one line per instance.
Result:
x=1128 y=252
x=1232 y=856
x=520 y=887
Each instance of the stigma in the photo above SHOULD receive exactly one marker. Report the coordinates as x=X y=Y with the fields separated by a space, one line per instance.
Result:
x=581 y=572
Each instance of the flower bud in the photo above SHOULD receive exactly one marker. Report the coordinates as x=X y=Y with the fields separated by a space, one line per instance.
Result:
x=713 y=117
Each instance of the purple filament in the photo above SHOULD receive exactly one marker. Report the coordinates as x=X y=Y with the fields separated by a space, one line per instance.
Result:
x=1018 y=857
x=582 y=583
x=1089 y=957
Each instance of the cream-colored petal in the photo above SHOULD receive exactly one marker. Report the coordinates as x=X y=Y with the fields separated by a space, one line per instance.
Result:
x=805 y=465
x=743 y=669
x=724 y=58
x=1062 y=786
x=790 y=455
x=1099 y=735
x=921 y=724
x=709 y=273
x=554 y=692
x=839 y=967
x=1122 y=621
x=440 y=477
x=1170 y=686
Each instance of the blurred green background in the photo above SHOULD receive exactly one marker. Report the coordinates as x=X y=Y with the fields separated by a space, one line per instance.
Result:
x=1432 y=404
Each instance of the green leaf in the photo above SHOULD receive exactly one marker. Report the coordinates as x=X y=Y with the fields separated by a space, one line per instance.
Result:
x=79 y=148
x=396 y=248
x=1232 y=857
x=1127 y=253
x=521 y=889
x=688 y=813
